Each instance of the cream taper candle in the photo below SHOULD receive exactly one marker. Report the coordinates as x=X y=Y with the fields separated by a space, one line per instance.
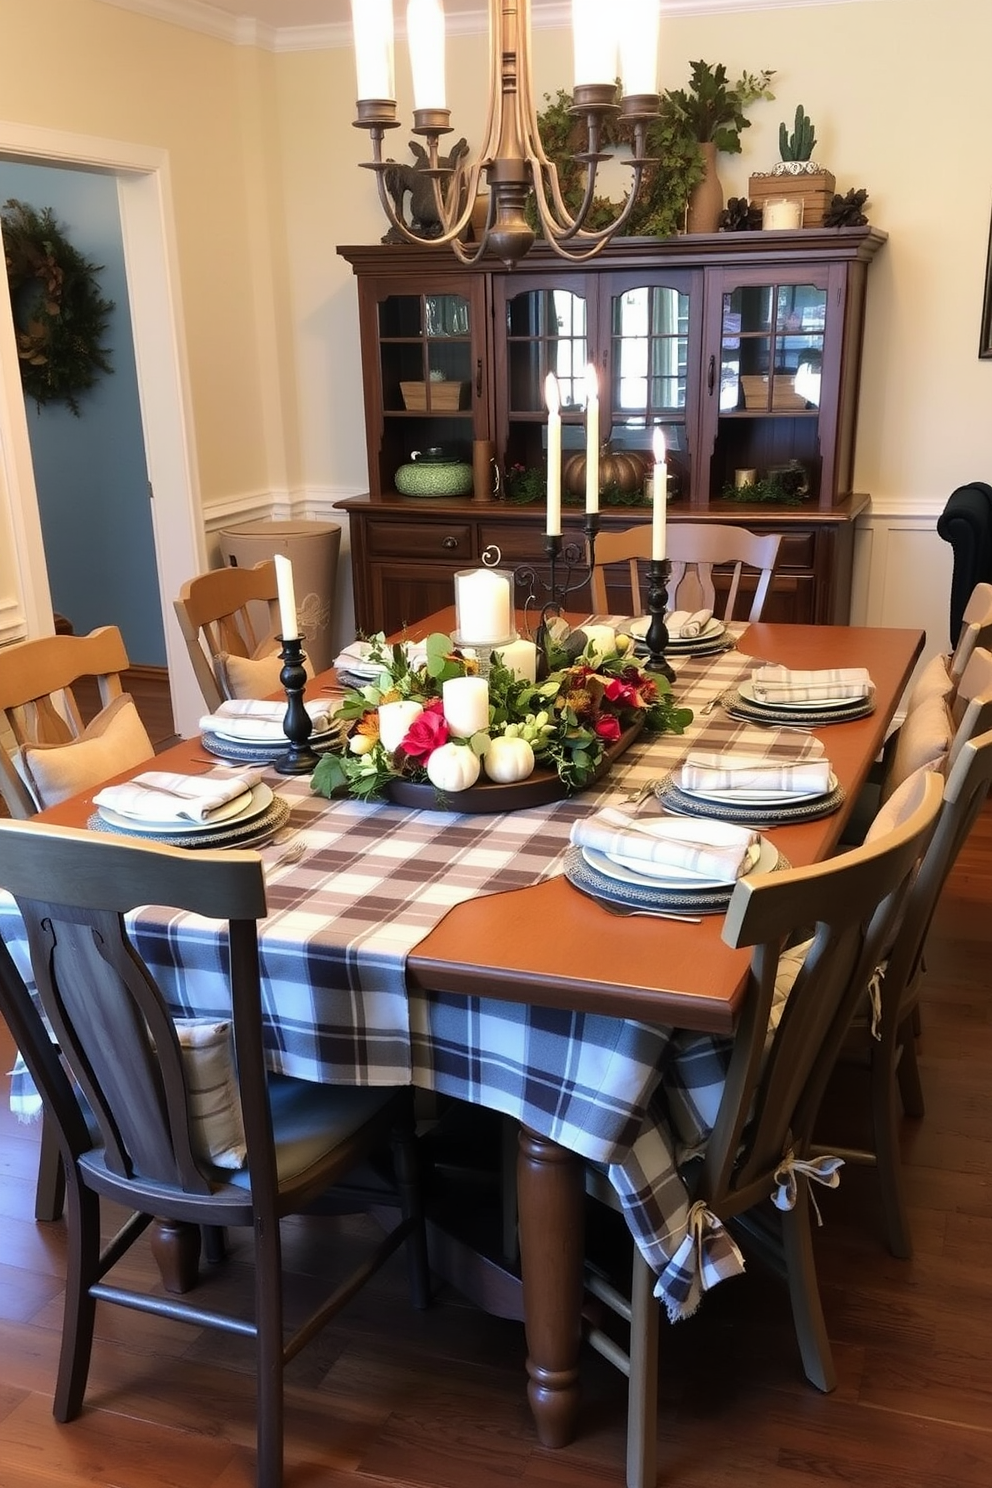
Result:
x=289 y=626
x=553 y=402
x=592 y=440
x=659 y=496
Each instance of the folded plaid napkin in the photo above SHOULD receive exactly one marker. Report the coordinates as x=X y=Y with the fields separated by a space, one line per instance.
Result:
x=162 y=796
x=777 y=684
x=712 y=849
x=354 y=661
x=254 y=720
x=686 y=624
x=706 y=770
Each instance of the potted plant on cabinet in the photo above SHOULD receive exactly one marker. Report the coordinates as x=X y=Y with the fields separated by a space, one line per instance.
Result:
x=711 y=110
x=797 y=174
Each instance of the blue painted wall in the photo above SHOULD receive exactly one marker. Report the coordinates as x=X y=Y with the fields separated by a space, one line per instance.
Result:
x=90 y=471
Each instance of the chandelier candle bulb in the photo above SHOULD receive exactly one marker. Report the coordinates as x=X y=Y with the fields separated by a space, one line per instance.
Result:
x=592 y=440
x=425 y=34
x=395 y=720
x=594 y=39
x=484 y=605
x=466 y=705
x=520 y=658
x=373 y=26
x=553 y=402
x=288 y=624
x=639 y=48
x=659 y=496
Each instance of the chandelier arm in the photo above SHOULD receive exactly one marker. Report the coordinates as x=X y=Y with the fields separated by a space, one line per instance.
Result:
x=554 y=231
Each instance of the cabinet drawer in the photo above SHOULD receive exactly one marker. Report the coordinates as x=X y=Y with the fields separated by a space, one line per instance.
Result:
x=797 y=550
x=421 y=540
x=516 y=544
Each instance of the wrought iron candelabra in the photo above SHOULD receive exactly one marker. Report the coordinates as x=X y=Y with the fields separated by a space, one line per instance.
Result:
x=297 y=725
x=570 y=567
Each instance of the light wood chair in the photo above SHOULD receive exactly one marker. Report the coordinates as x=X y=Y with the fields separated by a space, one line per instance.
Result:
x=694 y=549
x=976 y=628
x=218 y=614
x=37 y=701
x=115 y=1034
x=774 y=1086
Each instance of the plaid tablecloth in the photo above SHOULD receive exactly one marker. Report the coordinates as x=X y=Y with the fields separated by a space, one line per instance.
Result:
x=372 y=881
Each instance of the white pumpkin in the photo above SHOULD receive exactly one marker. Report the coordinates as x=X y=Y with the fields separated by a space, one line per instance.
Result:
x=452 y=768
x=509 y=760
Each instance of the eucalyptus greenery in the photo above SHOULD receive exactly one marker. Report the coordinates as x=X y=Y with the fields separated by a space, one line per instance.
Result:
x=60 y=317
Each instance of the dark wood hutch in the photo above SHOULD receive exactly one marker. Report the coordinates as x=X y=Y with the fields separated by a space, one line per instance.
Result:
x=746 y=347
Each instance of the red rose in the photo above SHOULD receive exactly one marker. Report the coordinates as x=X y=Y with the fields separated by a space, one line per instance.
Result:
x=427 y=732
x=608 y=728
x=621 y=694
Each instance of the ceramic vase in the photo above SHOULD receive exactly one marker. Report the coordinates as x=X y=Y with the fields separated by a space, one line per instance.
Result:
x=706 y=199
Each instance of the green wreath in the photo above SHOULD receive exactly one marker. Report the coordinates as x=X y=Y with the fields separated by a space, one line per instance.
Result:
x=60 y=318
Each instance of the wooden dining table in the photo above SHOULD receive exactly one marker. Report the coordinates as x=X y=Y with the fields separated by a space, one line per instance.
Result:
x=548 y=946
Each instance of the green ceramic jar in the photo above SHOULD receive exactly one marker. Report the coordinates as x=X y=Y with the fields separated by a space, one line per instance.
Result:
x=433 y=472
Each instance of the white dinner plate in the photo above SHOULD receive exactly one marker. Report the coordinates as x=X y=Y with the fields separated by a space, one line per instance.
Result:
x=639 y=628
x=242 y=809
x=746 y=690
x=663 y=876
x=757 y=797
x=261 y=740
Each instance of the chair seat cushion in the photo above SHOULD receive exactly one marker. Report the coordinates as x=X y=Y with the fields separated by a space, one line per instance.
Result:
x=115 y=740
x=309 y=1120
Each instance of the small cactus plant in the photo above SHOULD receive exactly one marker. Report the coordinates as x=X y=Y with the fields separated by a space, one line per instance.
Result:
x=799 y=144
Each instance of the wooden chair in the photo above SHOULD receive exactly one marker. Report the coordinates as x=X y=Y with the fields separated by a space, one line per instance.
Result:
x=694 y=548
x=37 y=701
x=976 y=628
x=775 y=1082
x=115 y=1034
x=218 y=614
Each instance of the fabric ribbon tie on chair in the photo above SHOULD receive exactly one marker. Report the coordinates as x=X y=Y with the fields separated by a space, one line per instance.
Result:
x=817 y=1170
x=706 y=1256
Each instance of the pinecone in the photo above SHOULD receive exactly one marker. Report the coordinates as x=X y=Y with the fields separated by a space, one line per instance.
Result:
x=846 y=211
x=739 y=216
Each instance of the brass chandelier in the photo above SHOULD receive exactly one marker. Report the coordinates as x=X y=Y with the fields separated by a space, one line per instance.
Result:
x=512 y=157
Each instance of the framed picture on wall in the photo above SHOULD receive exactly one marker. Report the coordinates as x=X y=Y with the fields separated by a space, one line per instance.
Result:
x=985 y=341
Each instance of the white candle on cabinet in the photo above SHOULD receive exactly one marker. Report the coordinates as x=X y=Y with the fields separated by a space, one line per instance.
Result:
x=659 y=496
x=288 y=624
x=592 y=440
x=553 y=402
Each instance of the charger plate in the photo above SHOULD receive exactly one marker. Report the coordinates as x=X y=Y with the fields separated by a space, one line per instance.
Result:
x=699 y=901
x=243 y=752
x=739 y=707
x=673 y=798
x=252 y=833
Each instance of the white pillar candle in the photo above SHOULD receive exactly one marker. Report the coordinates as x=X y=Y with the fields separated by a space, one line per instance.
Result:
x=601 y=640
x=395 y=720
x=483 y=605
x=520 y=658
x=289 y=626
x=782 y=214
x=592 y=440
x=372 y=25
x=553 y=402
x=425 y=35
x=594 y=40
x=466 y=705
x=659 y=496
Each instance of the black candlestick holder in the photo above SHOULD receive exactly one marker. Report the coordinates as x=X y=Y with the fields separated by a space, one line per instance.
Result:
x=578 y=566
x=297 y=725
x=656 y=639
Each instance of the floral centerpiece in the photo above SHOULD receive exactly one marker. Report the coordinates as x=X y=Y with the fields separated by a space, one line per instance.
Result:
x=406 y=725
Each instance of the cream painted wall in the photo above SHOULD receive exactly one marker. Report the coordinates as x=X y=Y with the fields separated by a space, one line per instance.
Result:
x=80 y=66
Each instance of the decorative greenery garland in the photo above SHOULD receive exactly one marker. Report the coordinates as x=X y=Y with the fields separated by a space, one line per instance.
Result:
x=60 y=318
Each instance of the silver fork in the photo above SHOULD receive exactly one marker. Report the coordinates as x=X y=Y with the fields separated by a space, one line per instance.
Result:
x=630 y=911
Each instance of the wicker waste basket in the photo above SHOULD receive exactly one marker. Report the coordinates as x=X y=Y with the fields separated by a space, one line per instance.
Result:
x=313 y=549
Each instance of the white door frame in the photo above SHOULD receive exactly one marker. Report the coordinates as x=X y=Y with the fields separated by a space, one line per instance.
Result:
x=151 y=266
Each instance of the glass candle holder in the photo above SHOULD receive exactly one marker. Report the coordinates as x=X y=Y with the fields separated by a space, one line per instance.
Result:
x=484 y=607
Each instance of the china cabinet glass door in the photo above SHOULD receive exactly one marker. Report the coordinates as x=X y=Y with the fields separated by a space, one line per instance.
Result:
x=431 y=374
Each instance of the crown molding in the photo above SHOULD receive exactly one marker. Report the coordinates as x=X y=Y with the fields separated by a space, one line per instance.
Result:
x=199 y=15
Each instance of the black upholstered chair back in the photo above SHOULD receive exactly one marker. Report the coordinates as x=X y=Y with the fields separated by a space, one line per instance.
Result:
x=966 y=523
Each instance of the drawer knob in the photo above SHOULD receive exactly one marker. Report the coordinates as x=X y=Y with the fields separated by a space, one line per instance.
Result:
x=449 y=542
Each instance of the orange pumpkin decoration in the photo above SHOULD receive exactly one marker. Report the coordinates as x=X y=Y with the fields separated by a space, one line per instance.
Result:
x=621 y=470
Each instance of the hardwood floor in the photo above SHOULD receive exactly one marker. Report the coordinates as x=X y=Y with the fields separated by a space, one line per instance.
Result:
x=390 y=1398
